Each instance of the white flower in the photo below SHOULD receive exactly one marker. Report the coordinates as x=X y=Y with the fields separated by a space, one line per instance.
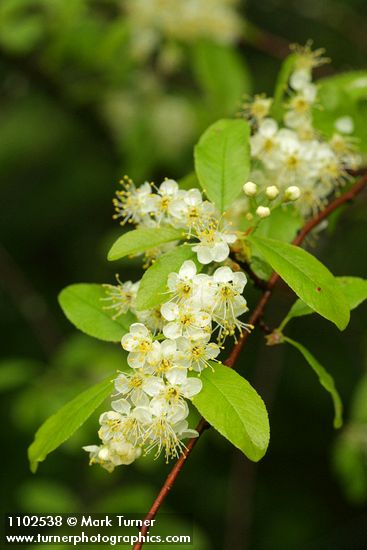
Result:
x=113 y=454
x=182 y=284
x=161 y=434
x=165 y=356
x=185 y=320
x=229 y=304
x=121 y=296
x=190 y=209
x=131 y=385
x=198 y=353
x=139 y=342
x=168 y=191
x=132 y=204
x=213 y=245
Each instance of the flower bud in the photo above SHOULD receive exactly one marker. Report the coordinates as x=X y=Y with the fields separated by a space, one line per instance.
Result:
x=250 y=189
x=272 y=192
x=292 y=193
x=249 y=217
x=263 y=211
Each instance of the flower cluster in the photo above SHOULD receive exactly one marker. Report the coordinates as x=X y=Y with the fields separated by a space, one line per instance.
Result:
x=291 y=154
x=173 y=206
x=167 y=351
x=182 y=20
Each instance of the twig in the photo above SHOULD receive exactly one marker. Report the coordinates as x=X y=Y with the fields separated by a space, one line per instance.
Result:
x=231 y=360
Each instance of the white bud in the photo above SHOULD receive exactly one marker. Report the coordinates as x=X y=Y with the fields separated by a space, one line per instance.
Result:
x=250 y=188
x=292 y=193
x=263 y=211
x=272 y=192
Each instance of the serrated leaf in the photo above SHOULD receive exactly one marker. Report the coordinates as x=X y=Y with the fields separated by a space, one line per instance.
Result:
x=60 y=426
x=142 y=239
x=153 y=285
x=83 y=305
x=232 y=406
x=353 y=288
x=307 y=277
x=222 y=160
x=326 y=380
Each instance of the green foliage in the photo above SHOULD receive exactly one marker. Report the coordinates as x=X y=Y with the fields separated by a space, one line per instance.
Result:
x=282 y=86
x=343 y=95
x=143 y=239
x=15 y=372
x=83 y=305
x=353 y=288
x=222 y=160
x=282 y=225
x=223 y=76
x=153 y=286
x=307 y=277
x=60 y=426
x=232 y=406
x=326 y=380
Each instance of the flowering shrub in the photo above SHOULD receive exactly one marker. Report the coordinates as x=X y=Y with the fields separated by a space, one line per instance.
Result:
x=270 y=172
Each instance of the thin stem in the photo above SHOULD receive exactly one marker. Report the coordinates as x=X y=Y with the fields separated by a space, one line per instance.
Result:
x=231 y=360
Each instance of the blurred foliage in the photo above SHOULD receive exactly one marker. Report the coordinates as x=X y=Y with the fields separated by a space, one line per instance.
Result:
x=77 y=111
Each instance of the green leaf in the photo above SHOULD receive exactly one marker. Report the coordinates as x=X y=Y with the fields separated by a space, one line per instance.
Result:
x=153 y=286
x=343 y=95
x=353 y=288
x=307 y=277
x=61 y=425
x=232 y=406
x=140 y=240
x=83 y=305
x=223 y=76
x=326 y=380
x=282 y=225
x=282 y=85
x=222 y=160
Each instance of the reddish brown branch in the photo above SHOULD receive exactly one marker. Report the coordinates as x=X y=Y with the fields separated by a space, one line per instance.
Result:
x=231 y=360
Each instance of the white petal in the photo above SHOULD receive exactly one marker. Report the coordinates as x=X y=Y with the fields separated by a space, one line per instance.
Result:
x=188 y=269
x=142 y=414
x=153 y=385
x=139 y=330
x=169 y=347
x=122 y=384
x=136 y=360
x=223 y=275
x=176 y=376
x=220 y=252
x=172 y=330
x=170 y=311
x=205 y=255
x=121 y=406
x=191 y=387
